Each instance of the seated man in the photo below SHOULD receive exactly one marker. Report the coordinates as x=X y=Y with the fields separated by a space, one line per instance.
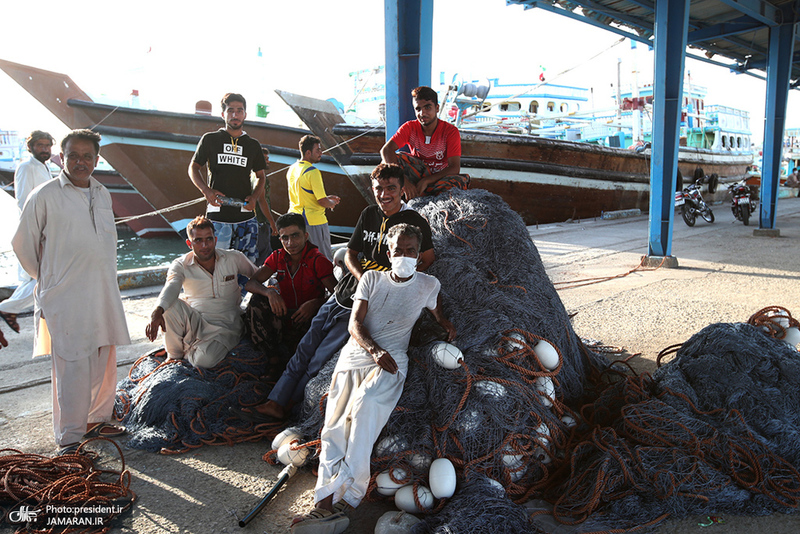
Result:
x=369 y=377
x=282 y=312
x=328 y=331
x=435 y=160
x=206 y=323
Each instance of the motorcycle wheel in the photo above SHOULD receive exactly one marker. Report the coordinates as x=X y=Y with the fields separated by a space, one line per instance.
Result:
x=745 y=211
x=689 y=215
x=708 y=215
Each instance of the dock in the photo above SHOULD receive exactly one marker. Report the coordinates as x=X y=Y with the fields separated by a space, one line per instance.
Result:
x=725 y=274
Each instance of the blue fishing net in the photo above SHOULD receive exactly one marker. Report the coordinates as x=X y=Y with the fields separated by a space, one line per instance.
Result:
x=170 y=406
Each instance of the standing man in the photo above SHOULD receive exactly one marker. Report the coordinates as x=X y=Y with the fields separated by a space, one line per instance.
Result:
x=231 y=155
x=435 y=160
x=366 y=251
x=30 y=174
x=206 y=323
x=307 y=194
x=67 y=240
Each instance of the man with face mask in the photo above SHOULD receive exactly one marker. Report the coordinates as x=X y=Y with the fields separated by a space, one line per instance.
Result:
x=30 y=174
x=369 y=377
x=366 y=251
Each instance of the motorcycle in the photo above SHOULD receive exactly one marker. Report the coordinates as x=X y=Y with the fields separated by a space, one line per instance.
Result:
x=743 y=201
x=692 y=204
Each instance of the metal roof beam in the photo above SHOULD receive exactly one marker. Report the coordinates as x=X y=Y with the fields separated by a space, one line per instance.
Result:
x=725 y=29
x=548 y=6
x=759 y=10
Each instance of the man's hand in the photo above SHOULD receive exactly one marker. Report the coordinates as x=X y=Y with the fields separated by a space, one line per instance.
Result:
x=156 y=322
x=276 y=303
x=410 y=190
x=3 y=342
x=385 y=361
x=250 y=203
x=451 y=330
x=305 y=312
x=212 y=197
x=273 y=227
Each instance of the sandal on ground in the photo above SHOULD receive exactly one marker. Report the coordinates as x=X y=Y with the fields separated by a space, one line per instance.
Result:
x=253 y=416
x=72 y=448
x=104 y=430
x=11 y=321
x=320 y=521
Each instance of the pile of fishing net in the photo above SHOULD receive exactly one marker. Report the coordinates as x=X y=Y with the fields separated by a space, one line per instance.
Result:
x=170 y=406
x=714 y=430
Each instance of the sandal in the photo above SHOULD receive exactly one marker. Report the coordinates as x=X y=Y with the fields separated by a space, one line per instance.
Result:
x=320 y=521
x=104 y=430
x=11 y=321
x=72 y=448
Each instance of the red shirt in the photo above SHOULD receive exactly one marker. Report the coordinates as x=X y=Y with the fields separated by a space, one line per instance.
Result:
x=444 y=143
x=306 y=284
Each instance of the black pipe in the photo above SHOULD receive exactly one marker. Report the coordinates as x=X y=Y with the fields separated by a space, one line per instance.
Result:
x=284 y=475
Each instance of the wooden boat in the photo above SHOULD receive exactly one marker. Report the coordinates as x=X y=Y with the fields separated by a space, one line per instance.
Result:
x=544 y=180
x=152 y=149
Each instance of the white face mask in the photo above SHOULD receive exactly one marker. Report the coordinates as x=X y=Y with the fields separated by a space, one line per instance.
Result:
x=403 y=266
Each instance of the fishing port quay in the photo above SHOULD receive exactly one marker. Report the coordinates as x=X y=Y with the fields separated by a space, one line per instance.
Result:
x=725 y=274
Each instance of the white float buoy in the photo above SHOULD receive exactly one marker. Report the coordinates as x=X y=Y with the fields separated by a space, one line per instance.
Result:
x=490 y=388
x=404 y=499
x=420 y=461
x=547 y=354
x=792 y=336
x=287 y=455
x=286 y=436
x=544 y=385
x=568 y=420
x=497 y=485
x=388 y=487
x=396 y=523
x=516 y=341
x=391 y=445
x=442 y=478
x=446 y=355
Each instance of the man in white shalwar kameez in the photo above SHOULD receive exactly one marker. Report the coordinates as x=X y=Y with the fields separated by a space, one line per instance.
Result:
x=207 y=322
x=30 y=174
x=369 y=376
x=67 y=241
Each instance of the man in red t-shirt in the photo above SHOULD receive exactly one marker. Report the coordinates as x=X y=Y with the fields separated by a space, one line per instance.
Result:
x=434 y=163
x=280 y=313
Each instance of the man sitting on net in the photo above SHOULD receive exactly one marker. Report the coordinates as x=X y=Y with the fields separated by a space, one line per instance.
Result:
x=369 y=377
x=206 y=322
x=434 y=162
x=279 y=314
x=328 y=333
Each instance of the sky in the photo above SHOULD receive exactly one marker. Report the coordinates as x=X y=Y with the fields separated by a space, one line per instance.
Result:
x=176 y=52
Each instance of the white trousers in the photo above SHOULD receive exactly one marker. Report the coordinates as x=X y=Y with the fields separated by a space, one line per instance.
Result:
x=189 y=336
x=21 y=301
x=360 y=402
x=83 y=393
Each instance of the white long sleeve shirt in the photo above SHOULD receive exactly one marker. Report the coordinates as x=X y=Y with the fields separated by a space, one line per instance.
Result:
x=67 y=240
x=30 y=174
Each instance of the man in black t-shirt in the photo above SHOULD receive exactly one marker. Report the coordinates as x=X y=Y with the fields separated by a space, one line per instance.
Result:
x=366 y=250
x=231 y=155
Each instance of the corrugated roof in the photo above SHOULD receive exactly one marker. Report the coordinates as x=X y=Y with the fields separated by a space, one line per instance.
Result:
x=731 y=33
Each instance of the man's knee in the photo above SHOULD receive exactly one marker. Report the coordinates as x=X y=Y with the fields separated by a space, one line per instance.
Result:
x=207 y=355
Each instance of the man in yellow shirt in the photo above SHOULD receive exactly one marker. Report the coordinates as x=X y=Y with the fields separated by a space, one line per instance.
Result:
x=307 y=194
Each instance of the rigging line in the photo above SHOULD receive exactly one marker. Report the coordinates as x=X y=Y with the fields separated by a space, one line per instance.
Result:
x=104 y=118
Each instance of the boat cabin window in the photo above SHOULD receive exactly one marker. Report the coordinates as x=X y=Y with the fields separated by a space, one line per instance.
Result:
x=510 y=106
x=551 y=106
x=724 y=141
x=534 y=107
x=564 y=107
x=732 y=145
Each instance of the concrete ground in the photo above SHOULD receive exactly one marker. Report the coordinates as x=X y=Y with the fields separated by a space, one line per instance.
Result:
x=725 y=274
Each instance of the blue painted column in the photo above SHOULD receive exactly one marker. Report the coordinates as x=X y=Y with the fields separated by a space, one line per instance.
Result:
x=779 y=65
x=672 y=19
x=409 y=42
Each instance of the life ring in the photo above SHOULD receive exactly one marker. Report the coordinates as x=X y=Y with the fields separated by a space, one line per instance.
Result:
x=699 y=174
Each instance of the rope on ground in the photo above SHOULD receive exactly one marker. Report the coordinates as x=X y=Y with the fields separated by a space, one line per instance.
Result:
x=72 y=480
x=569 y=284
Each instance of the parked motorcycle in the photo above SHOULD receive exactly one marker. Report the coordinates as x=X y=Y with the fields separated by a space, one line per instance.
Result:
x=743 y=201
x=692 y=204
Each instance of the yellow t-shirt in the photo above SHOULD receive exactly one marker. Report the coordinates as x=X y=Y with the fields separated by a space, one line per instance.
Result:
x=305 y=188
